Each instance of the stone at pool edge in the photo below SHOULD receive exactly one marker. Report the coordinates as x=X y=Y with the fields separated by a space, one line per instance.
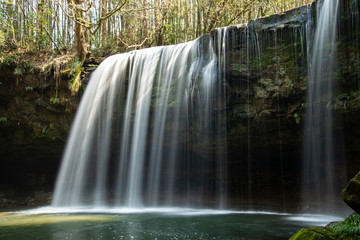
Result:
x=351 y=194
x=314 y=233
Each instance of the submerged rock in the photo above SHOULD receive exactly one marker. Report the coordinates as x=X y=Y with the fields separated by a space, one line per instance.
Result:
x=351 y=194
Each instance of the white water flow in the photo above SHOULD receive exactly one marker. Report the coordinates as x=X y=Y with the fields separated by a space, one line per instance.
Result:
x=150 y=131
x=318 y=162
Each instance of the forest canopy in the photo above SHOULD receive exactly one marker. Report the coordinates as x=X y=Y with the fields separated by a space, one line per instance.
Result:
x=108 y=26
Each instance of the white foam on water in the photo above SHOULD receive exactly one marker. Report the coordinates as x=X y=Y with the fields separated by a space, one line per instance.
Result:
x=162 y=210
x=316 y=219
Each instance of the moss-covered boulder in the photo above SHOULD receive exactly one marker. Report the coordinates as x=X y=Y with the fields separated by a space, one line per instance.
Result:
x=351 y=194
x=349 y=229
x=314 y=233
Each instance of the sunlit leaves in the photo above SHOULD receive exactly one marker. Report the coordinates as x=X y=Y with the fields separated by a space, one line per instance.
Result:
x=125 y=24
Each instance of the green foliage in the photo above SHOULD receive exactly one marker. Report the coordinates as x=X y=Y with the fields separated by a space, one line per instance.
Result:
x=172 y=33
x=22 y=66
x=3 y=119
x=342 y=101
x=76 y=65
x=75 y=81
x=43 y=41
x=29 y=88
x=43 y=25
x=8 y=59
x=350 y=227
x=75 y=86
x=17 y=60
x=55 y=100
x=282 y=71
x=343 y=96
x=314 y=233
x=2 y=39
x=297 y=118
x=19 y=71
x=105 y=49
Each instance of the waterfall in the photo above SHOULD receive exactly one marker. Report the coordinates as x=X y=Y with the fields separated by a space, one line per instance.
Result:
x=152 y=127
x=319 y=149
x=150 y=130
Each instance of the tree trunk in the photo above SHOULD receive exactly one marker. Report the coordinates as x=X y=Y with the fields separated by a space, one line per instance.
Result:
x=104 y=24
x=40 y=17
x=143 y=21
x=158 y=23
x=81 y=41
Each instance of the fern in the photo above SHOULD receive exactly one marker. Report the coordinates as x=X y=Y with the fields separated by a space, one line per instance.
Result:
x=349 y=228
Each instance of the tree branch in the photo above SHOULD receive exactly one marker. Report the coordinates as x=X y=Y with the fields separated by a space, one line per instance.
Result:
x=135 y=45
x=89 y=25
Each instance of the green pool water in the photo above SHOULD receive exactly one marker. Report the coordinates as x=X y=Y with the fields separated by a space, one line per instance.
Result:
x=152 y=224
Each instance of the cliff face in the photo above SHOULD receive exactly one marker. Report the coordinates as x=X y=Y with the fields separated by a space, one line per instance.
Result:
x=36 y=112
x=266 y=81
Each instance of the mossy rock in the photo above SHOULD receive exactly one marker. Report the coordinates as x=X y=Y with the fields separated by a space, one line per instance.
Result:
x=349 y=229
x=314 y=233
x=351 y=194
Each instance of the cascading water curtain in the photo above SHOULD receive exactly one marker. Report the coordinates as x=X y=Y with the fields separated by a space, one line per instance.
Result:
x=150 y=131
x=318 y=159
